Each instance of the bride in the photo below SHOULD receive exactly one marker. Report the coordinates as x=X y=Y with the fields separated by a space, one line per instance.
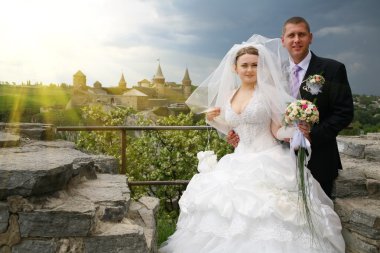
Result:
x=249 y=201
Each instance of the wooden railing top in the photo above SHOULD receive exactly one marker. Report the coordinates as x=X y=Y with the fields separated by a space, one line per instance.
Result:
x=130 y=128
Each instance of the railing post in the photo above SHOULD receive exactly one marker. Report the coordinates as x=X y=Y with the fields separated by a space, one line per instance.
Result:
x=123 y=151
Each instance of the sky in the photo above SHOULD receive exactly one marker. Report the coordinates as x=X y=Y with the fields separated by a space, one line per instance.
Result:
x=50 y=40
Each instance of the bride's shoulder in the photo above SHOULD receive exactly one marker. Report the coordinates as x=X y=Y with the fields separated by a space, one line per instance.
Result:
x=232 y=94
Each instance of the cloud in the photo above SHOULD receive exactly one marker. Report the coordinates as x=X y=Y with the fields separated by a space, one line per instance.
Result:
x=355 y=62
x=332 y=30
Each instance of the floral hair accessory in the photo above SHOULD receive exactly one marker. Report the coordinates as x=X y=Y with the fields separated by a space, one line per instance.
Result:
x=314 y=84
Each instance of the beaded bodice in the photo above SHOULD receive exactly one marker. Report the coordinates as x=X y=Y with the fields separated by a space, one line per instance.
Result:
x=252 y=125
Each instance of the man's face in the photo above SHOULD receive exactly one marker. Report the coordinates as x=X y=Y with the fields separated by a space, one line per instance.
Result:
x=296 y=39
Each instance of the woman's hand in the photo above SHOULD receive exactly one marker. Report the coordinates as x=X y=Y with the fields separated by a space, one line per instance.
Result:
x=305 y=128
x=213 y=113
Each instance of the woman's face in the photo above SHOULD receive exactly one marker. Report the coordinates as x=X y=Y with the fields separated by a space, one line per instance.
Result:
x=246 y=68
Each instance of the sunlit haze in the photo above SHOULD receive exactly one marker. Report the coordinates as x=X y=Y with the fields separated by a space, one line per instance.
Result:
x=48 y=41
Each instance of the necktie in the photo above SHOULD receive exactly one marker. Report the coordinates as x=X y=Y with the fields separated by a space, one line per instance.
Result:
x=295 y=80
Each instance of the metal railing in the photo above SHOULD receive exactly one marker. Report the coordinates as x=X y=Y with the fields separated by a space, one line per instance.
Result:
x=123 y=130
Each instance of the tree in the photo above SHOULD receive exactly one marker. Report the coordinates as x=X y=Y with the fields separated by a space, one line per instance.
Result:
x=170 y=154
x=64 y=85
x=108 y=142
x=153 y=155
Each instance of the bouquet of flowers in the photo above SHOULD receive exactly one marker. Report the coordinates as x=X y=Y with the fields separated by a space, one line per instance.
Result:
x=297 y=111
x=301 y=110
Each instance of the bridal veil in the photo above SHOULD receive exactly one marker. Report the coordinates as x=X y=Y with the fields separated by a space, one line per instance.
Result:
x=272 y=81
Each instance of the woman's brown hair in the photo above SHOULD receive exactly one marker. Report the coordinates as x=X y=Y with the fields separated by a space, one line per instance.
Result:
x=246 y=50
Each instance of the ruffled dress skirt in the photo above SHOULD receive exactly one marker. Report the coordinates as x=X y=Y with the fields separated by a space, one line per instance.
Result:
x=249 y=203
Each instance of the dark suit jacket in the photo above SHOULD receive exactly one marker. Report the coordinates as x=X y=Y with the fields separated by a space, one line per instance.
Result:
x=336 y=110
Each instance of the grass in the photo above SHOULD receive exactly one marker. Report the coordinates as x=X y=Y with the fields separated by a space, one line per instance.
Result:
x=19 y=103
x=165 y=228
x=70 y=117
x=166 y=225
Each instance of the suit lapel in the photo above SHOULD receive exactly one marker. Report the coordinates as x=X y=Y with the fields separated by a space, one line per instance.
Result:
x=311 y=70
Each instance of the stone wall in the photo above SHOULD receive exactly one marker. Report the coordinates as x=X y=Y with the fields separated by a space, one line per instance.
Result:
x=54 y=198
x=358 y=193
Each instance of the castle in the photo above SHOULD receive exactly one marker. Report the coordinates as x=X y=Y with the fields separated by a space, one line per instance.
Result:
x=143 y=96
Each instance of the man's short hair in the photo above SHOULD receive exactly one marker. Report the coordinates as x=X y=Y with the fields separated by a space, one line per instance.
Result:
x=296 y=20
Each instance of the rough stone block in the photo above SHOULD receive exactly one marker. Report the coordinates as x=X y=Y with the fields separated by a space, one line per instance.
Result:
x=34 y=131
x=365 y=223
x=373 y=188
x=35 y=245
x=372 y=153
x=360 y=215
x=5 y=249
x=12 y=235
x=359 y=244
x=47 y=223
x=150 y=202
x=144 y=211
x=373 y=136
x=84 y=169
x=4 y=216
x=70 y=245
x=106 y=164
x=150 y=237
x=350 y=183
x=112 y=213
x=120 y=238
x=103 y=164
x=19 y=204
x=57 y=144
x=9 y=140
x=35 y=170
x=27 y=183
x=110 y=193
x=148 y=218
x=350 y=148
x=371 y=170
x=134 y=214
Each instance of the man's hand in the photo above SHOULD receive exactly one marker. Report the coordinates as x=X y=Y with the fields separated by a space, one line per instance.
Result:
x=305 y=129
x=233 y=138
x=213 y=113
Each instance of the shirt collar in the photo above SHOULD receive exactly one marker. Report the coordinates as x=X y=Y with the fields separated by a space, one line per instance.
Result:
x=304 y=64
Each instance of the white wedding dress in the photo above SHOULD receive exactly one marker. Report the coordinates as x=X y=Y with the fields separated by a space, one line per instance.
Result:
x=249 y=201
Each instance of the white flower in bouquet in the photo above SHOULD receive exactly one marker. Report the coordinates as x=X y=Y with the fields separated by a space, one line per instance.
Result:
x=207 y=161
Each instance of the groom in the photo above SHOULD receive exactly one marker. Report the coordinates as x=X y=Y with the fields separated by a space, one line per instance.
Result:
x=334 y=100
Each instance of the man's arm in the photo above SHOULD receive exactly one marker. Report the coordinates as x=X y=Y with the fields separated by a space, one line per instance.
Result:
x=233 y=138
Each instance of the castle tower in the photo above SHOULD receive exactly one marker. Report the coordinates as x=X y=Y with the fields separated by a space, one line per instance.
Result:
x=79 y=80
x=97 y=85
x=159 y=81
x=186 y=84
x=122 y=83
